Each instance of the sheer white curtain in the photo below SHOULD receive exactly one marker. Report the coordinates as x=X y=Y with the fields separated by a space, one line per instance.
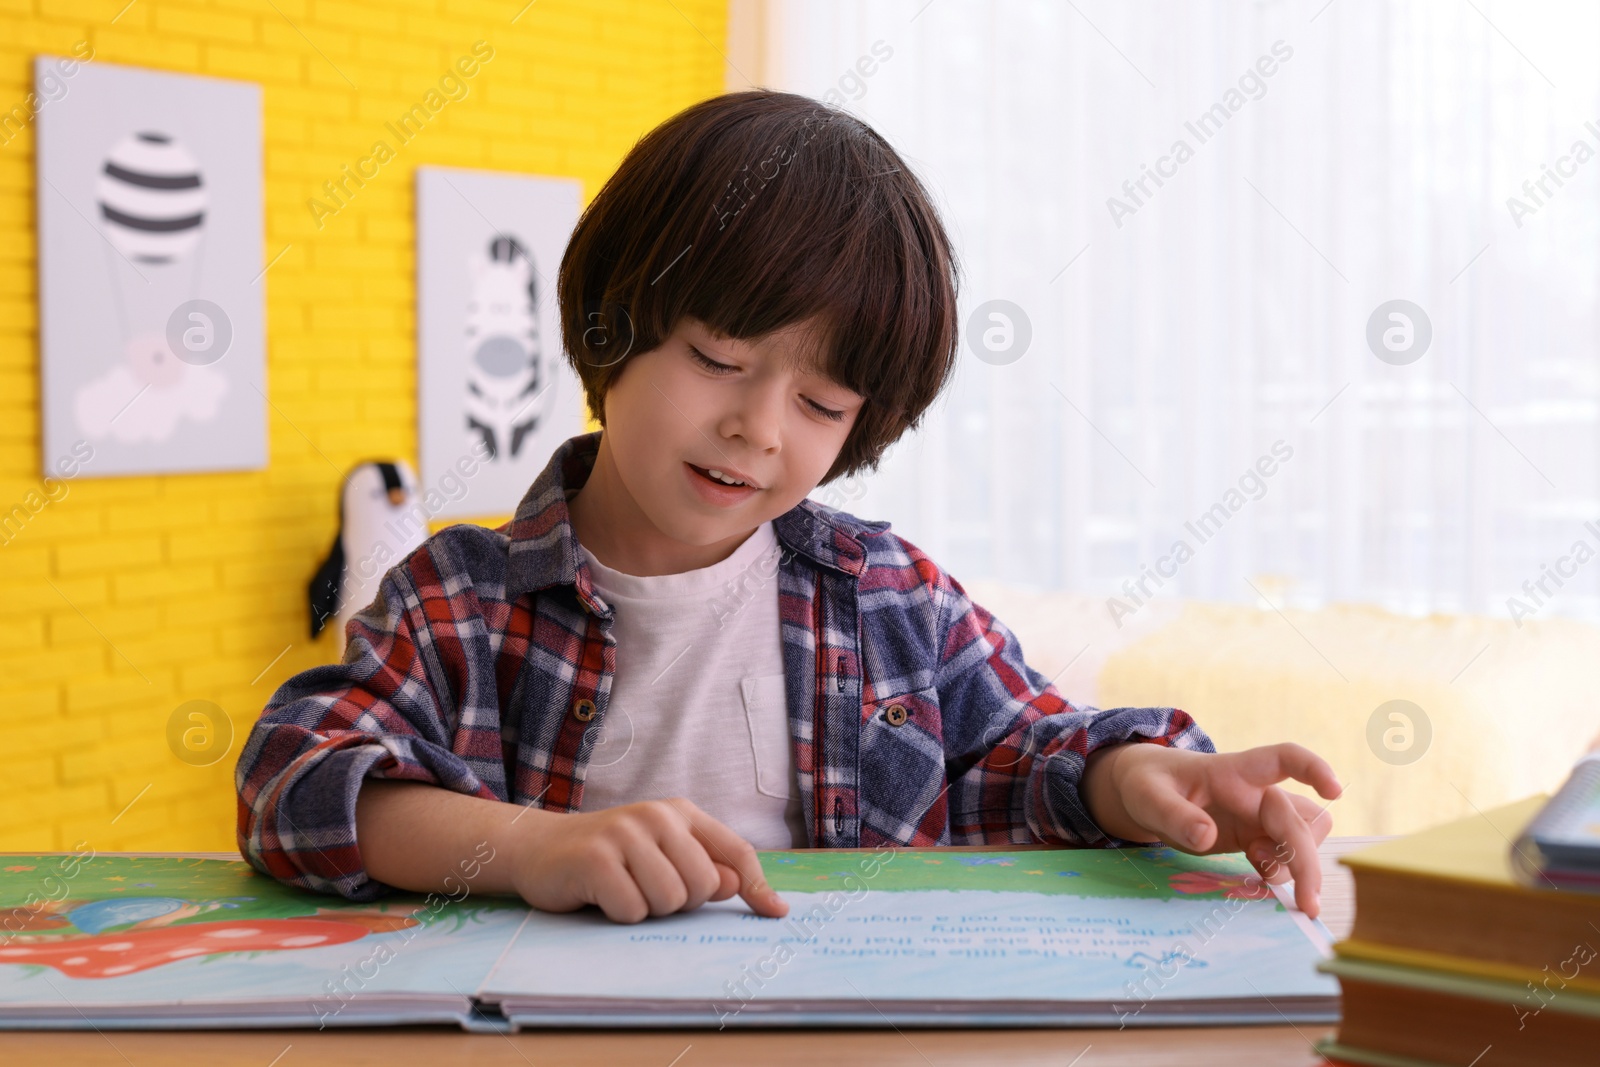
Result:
x=1335 y=157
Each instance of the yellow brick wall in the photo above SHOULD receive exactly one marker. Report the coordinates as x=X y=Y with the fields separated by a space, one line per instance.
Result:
x=130 y=596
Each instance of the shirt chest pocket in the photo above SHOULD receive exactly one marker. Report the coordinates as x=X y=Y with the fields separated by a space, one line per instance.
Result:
x=767 y=714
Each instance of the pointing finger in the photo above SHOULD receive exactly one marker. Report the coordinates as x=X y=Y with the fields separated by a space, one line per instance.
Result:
x=1283 y=823
x=728 y=849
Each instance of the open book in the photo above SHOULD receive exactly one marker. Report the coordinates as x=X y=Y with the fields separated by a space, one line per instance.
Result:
x=922 y=937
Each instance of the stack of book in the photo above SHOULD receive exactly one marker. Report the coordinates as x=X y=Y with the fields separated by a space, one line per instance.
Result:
x=1455 y=959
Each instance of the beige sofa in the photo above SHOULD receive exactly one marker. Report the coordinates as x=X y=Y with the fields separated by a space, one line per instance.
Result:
x=1508 y=708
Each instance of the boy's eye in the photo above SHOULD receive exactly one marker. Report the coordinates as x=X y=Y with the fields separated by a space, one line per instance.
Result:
x=707 y=362
x=827 y=413
x=719 y=368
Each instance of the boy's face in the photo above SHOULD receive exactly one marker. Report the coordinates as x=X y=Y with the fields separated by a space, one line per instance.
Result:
x=672 y=414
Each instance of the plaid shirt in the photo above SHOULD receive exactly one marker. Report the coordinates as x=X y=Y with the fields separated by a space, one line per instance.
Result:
x=485 y=662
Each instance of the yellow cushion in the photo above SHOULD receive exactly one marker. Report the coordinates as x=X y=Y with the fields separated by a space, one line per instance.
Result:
x=1509 y=708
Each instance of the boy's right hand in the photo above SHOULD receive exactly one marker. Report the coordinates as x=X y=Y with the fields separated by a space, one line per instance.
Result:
x=636 y=860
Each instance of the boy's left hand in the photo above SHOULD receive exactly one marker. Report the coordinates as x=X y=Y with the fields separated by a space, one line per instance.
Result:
x=1219 y=802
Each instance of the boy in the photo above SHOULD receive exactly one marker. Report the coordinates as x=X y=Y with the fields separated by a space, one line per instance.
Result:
x=670 y=657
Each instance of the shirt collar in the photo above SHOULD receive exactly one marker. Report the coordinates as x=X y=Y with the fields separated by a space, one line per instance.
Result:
x=544 y=549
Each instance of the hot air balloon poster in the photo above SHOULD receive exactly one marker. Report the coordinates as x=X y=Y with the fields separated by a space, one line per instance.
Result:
x=151 y=288
x=495 y=396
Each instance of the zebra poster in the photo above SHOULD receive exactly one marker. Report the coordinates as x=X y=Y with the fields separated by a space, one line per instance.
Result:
x=150 y=261
x=495 y=396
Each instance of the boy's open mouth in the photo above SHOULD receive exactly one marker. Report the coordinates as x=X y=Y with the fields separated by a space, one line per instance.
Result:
x=720 y=481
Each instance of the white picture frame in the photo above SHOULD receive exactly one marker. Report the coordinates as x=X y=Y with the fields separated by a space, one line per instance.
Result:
x=151 y=287
x=494 y=394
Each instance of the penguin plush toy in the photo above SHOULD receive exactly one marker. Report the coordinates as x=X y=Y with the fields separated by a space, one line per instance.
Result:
x=380 y=523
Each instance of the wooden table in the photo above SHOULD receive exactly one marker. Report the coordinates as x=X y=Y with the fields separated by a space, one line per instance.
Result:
x=1251 y=1046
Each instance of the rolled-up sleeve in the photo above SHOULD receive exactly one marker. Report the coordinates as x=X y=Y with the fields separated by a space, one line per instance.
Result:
x=1015 y=748
x=389 y=710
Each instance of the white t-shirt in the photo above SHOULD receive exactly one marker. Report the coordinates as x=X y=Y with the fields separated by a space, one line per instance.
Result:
x=697 y=702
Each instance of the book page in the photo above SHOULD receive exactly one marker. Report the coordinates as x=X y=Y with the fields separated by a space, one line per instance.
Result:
x=1087 y=925
x=84 y=932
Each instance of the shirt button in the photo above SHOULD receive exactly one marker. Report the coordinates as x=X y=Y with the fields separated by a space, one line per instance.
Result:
x=896 y=715
x=583 y=710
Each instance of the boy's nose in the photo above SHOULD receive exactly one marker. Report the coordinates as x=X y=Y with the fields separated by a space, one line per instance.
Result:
x=757 y=418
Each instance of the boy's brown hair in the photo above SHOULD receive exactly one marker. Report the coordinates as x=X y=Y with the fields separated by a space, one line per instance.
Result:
x=756 y=210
